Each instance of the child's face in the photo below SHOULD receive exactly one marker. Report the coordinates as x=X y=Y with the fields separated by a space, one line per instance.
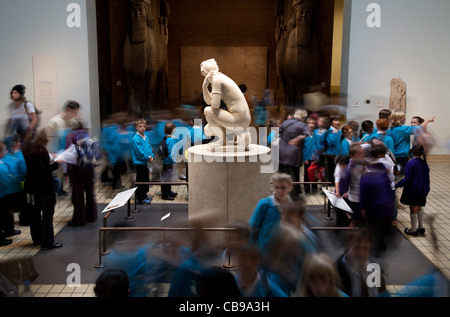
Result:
x=349 y=134
x=360 y=251
x=320 y=286
x=414 y=122
x=311 y=125
x=320 y=123
x=141 y=128
x=282 y=189
x=336 y=123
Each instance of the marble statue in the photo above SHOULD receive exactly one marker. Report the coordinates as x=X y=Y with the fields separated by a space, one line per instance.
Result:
x=236 y=118
x=145 y=57
x=398 y=95
x=297 y=50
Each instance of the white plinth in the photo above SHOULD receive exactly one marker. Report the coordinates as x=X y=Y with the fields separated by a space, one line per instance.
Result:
x=229 y=184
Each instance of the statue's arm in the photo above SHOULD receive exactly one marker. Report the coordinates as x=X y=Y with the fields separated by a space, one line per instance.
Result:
x=216 y=92
x=206 y=94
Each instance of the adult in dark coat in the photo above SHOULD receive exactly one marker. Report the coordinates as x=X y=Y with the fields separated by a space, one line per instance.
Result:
x=39 y=183
x=292 y=135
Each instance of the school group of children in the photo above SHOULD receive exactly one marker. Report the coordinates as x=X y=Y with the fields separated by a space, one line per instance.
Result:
x=275 y=253
x=136 y=146
x=353 y=160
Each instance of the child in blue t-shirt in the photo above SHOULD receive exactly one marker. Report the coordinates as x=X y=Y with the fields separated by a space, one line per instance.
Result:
x=346 y=139
x=142 y=154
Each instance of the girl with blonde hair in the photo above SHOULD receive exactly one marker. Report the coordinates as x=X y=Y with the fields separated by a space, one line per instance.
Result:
x=319 y=278
x=401 y=133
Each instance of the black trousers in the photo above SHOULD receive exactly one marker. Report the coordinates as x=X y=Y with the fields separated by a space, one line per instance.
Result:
x=142 y=175
x=41 y=226
x=6 y=216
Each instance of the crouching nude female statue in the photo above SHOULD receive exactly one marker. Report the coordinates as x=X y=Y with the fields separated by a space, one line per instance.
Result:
x=235 y=119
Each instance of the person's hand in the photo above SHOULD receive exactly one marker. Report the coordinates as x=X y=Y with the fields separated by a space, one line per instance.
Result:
x=297 y=140
x=60 y=162
x=150 y=159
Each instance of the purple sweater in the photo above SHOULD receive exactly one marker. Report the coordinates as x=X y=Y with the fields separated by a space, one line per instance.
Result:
x=376 y=195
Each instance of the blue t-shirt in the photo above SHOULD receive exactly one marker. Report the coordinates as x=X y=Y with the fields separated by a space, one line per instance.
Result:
x=345 y=147
x=333 y=139
x=401 y=136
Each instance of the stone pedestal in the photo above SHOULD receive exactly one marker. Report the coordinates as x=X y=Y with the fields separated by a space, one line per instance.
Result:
x=228 y=184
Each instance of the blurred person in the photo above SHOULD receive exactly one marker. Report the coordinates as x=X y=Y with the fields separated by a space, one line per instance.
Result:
x=267 y=213
x=58 y=127
x=251 y=279
x=331 y=145
x=309 y=155
x=384 y=113
x=142 y=155
x=13 y=196
x=4 y=211
x=416 y=186
x=292 y=135
x=350 y=182
x=60 y=124
x=112 y=283
x=186 y=275
x=260 y=108
x=169 y=163
x=235 y=239
x=319 y=278
x=382 y=134
x=291 y=243
x=377 y=199
x=352 y=266
x=415 y=122
x=217 y=282
x=272 y=134
x=401 y=134
x=346 y=139
x=342 y=216
x=117 y=141
x=39 y=182
x=355 y=127
x=81 y=179
x=23 y=118
x=366 y=131
x=323 y=124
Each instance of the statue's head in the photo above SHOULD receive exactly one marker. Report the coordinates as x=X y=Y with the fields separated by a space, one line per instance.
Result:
x=303 y=9
x=209 y=66
x=142 y=8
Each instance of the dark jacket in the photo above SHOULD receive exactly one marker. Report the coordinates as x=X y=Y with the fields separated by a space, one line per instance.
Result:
x=39 y=179
x=292 y=155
